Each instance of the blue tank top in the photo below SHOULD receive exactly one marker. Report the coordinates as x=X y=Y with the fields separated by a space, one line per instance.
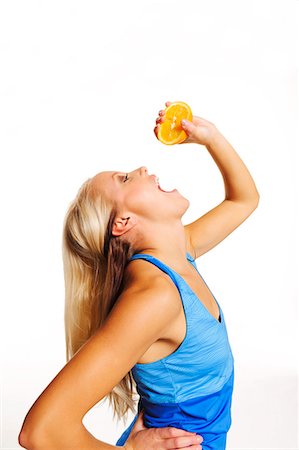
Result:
x=192 y=387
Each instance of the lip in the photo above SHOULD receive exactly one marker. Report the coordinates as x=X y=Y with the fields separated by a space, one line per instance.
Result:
x=153 y=176
x=167 y=192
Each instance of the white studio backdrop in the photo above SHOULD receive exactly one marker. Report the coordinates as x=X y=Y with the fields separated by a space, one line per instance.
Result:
x=81 y=84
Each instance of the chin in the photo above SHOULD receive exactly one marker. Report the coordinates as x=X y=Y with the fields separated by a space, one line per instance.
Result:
x=184 y=205
x=187 y=204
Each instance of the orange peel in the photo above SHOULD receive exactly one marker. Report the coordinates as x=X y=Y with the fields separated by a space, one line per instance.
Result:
x=170 y=131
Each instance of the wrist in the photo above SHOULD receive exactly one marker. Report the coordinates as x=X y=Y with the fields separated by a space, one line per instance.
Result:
x=214 y=137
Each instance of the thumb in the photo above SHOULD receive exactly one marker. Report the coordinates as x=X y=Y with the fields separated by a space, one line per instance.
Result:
x=188 y=126
x=138 y=426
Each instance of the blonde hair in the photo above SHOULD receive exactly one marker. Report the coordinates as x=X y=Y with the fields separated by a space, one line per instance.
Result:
x=94 y=261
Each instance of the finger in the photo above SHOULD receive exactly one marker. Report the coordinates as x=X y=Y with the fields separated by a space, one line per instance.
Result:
x=185 y=441
x=160 y=119
x=167 y=103
x=161 y=112
x=191 y=447
x=168 y=432
x=182 y=442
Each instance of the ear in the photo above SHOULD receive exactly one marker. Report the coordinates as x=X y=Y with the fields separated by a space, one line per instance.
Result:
x=122 y=225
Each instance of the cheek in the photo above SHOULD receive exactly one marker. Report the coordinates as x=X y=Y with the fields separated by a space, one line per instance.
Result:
x=142 y=200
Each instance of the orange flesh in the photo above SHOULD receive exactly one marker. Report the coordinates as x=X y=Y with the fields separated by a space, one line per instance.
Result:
x=170 y=131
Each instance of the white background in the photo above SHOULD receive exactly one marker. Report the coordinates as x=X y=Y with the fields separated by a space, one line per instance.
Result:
x=81 y=84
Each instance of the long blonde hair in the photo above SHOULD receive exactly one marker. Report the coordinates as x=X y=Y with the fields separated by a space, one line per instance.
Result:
x=94 y=261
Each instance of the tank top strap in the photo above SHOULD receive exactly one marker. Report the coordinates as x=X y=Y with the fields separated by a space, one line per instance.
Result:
x=189 y=257
x=192 y=260
x=159 y=264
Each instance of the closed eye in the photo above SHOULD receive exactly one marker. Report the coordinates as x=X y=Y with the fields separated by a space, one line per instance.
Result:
x=126 y=178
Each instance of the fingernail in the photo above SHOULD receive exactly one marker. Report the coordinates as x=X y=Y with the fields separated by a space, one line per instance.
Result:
x=184 y=123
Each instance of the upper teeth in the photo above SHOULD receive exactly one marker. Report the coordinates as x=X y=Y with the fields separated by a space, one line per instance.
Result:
x=157 y=180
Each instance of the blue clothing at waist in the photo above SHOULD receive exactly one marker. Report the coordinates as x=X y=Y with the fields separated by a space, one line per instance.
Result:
x=208 y=416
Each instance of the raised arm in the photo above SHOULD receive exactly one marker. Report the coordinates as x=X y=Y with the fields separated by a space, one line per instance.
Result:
x=55 y=419
x=241 y=195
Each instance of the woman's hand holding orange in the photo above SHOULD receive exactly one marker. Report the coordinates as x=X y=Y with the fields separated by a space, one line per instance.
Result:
x=199 y=131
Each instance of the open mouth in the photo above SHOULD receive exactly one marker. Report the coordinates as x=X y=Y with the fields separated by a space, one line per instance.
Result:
x=159 y=187
x=168 y=192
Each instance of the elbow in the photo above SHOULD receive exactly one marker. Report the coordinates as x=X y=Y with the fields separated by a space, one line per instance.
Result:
x=31 y=439
x=25 y=440
x=250 y=204
x=256 y=200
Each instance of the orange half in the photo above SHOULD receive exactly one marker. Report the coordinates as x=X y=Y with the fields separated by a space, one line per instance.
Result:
x=170 y=131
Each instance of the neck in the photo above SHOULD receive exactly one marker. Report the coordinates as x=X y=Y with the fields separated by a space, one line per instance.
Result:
x=166 y=242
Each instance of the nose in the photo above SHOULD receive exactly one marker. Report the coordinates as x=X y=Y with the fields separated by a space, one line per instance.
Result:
x=143 y=170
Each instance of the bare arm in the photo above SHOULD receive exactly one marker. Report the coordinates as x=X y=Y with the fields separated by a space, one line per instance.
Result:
x=241 y=195
x=55 y=419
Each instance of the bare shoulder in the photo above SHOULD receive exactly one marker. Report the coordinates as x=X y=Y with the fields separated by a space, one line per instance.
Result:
x=150 y=285
x=140 y=274
x=149 y=298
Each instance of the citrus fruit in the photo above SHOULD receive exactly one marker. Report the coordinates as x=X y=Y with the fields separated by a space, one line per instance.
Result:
x=170 y=130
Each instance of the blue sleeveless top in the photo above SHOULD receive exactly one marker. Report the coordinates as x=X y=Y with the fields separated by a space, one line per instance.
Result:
x=192 y=387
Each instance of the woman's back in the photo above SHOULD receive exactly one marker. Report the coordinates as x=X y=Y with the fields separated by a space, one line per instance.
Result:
x=190 y=388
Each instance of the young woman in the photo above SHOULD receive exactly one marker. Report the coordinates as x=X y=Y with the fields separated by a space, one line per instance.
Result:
x=139 y=318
